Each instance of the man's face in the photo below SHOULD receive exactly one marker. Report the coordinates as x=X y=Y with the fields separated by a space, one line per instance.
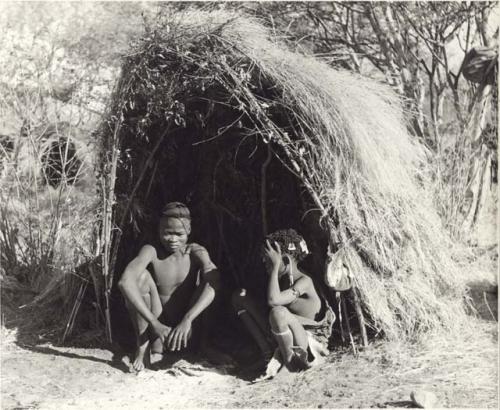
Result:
x=174 y=233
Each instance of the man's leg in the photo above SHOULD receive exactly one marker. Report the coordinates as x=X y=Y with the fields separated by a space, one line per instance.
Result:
x=156 y=308
x=254 y=320
x=199 y=339
x=146 y=286
x=287 y=331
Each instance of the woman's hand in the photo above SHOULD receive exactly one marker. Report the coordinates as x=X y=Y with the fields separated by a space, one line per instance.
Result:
x=273 y=253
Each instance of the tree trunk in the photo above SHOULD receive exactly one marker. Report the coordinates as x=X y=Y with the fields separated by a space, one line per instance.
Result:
x=479 y=164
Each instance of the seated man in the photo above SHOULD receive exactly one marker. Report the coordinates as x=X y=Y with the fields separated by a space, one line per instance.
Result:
x=293 y=304
x=173 y=296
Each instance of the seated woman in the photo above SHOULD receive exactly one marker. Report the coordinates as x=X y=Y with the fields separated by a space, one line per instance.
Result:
x=293 y=304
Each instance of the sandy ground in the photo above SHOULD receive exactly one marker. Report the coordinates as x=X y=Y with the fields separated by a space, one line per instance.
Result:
x=460 y=368
x=460 y=372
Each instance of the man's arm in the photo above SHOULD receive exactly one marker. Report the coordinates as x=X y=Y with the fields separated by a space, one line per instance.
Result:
x=209 y=282
x=129 y=286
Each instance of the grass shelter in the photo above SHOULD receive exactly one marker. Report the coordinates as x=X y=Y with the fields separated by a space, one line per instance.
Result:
x=213 y=109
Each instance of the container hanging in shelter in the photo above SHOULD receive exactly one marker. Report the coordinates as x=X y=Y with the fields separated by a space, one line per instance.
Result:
x=481 y=64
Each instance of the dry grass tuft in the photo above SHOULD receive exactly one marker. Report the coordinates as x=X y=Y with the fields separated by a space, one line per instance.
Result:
x=458 y=367
x=45 y=231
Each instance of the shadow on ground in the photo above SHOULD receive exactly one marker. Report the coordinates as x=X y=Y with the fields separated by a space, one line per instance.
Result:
x=405 y=404
x=116 y=361
x=484 y=298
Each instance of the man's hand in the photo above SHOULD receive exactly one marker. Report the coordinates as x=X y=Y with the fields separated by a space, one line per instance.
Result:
x=161 y=330
x=273 y=253
x=179 y=336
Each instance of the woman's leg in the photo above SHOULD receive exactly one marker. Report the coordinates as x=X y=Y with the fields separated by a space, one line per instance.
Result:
x=287 y=331
x=253 y=318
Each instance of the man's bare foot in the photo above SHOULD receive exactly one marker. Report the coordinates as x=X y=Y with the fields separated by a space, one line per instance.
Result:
x=138 y=364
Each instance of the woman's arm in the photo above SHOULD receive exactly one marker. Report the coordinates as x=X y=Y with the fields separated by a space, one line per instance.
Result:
x=277 y=297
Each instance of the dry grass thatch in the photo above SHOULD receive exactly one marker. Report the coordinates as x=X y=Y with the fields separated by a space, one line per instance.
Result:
x=343 y=136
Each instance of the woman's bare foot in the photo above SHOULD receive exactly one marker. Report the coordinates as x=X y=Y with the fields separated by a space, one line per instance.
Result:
x=297 y=361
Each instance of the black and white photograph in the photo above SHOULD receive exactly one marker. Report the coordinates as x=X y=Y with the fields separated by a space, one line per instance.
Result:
x=246 y=204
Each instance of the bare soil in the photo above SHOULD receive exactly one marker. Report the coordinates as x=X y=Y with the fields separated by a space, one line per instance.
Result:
x=460 y=371
x=459 y=367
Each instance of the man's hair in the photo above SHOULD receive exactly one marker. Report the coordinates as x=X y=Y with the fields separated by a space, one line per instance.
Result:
x=290 y=242
x=176 y=210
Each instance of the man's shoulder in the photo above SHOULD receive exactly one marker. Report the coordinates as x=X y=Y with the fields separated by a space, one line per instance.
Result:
x=196 y=249
x=149 y=250
x=200 y=256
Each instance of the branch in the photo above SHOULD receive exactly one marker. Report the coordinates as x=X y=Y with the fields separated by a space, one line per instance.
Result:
x=481 y=26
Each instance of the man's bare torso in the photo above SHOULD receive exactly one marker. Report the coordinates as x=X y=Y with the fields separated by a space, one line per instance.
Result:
x=176 y=277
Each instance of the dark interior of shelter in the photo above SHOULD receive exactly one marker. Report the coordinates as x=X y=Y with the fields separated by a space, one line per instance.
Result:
x=216 y=166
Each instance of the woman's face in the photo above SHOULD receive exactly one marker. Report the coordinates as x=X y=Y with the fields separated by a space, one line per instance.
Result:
x=268 y=265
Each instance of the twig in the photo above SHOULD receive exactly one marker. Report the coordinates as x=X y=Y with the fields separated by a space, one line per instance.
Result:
x=79 y=301
x=143 y=171
x=488 y=306
x=220 y=132
x=263 y=189
x=340 y=307
x=232 y=267
x=74 y=311
x=359 y=314
x=351 y=340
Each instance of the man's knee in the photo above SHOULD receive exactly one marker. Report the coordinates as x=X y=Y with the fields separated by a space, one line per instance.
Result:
x=144 y=282
x=121 y=286
x=278 y=316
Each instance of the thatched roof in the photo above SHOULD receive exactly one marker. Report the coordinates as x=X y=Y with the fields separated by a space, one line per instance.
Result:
x=343 y=135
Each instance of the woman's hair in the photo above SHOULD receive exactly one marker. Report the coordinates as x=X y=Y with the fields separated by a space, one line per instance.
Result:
x=290 y=242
